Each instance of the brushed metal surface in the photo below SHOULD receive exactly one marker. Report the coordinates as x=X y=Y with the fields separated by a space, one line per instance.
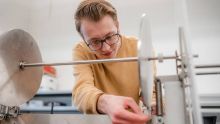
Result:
x=18 y=86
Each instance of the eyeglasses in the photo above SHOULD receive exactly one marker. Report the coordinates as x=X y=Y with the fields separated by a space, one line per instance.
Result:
x=97 y=44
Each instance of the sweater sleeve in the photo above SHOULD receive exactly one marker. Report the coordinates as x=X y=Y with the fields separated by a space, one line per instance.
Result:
x=85 y=94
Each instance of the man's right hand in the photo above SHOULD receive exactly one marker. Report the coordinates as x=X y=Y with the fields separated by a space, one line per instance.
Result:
x=122 y=110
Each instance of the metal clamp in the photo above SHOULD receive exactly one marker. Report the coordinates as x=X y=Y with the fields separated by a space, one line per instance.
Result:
x=9 y=112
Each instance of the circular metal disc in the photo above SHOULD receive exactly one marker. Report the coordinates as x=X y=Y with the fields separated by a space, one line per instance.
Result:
x=17 y=86
x=145 y=50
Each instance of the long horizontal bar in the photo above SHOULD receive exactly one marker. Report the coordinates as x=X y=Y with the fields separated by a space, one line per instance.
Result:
x=163 y=57
x=128 y=59
x=208 y=66
x=207 y=73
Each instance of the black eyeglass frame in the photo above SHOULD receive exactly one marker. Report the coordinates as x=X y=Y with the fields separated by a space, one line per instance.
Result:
x=104 y=40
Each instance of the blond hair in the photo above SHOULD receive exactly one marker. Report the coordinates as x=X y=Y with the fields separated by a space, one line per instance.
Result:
x=93 y=10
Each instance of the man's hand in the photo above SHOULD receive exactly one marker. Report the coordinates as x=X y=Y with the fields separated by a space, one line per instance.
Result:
x=122 y=110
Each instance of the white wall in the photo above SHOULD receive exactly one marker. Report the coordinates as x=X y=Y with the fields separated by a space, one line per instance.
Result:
x=204 y=20
x=14 y=14
x=51 y=24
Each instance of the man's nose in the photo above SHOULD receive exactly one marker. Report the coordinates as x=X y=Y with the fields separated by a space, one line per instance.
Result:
x=105 y=46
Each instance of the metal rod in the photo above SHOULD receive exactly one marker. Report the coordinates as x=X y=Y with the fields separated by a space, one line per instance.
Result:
x=165 y=57
x=128 y=59
x=171 y=57
x=208 y=66
x=207 y=73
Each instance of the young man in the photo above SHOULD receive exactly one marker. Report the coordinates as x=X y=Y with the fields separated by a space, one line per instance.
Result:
x=108 y=88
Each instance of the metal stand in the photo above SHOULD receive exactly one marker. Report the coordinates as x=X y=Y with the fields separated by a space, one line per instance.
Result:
x=174 y=100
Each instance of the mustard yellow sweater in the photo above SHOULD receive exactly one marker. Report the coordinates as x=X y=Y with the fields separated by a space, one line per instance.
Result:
x=92 y=80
